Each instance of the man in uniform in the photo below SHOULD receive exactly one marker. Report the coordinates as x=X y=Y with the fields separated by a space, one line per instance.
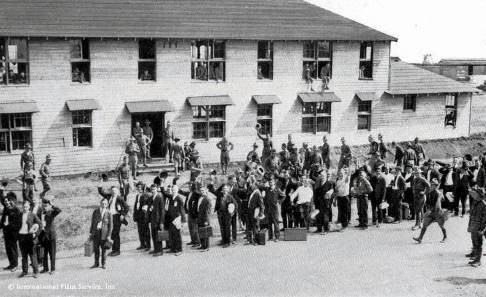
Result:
x=29 y=183
x=434 y=211
x=284 y=156
x=137 y=133
x=326 y=153
x=196 y=166
x=123 y=172
x=382 y=147
x=419 y=150
x=346 y=155
x=27 y=157
x=149 y=133
x=167 y=142
x=374 y=153
x=178 y=155
x=132 y=151
x=45 y=175
x=477 y=225
x=253 y=154
x=224 y=146
x=399 y=153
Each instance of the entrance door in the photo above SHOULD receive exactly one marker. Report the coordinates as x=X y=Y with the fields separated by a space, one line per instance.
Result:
x=157 y=123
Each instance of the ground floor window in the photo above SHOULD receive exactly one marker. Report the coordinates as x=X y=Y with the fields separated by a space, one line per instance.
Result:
x=15 y=131
x=264 y=118
x=316 y=117
x=208 y=121
x=82 y=128
x=451 y=110
x=364 y=115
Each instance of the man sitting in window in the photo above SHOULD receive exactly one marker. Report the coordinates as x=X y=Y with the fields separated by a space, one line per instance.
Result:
x=12 y=77
x=216 y=72
x=201 y=72
x=260 y=73
x=450 y=119
x=78 y=76
x=146 y=75
x=22 y=78
x=325 y=75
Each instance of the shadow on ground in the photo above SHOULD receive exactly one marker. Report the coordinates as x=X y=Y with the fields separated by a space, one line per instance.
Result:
x=462 y=281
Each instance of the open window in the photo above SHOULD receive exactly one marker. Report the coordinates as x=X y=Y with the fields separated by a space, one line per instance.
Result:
x=208 y=60
x=265 y=60
x=366 y=60
x=14 y=61
x=451 y=110
x=80 y=61
x=409 y=102
x=317 y=60
x=146 y=60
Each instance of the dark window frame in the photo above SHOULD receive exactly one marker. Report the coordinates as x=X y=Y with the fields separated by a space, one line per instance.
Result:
x=316 y=112
x=266 y=60
x=206 y=66
x=365 y=60
x=82 y=120
x=451 y=108
x=147 y=63
x=11 y=124
x=207 y=118
x=315 y=61
x=364 y=112
x=410 y=102
x=83 y=61
x=5 y=61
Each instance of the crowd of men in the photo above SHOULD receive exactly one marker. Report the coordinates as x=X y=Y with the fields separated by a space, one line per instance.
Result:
x=292 y=188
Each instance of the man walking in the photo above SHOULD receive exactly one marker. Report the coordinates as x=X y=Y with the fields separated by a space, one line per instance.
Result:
x=420 y=186
x=45 y=176
x=118 y=209
x=434 y=211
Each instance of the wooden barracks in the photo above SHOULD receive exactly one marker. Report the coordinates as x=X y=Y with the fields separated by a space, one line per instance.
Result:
x=76 y=76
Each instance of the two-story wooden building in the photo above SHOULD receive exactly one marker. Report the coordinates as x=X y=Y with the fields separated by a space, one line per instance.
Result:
x=77 y=75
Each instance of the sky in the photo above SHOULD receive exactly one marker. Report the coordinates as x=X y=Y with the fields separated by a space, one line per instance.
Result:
x=442 y=28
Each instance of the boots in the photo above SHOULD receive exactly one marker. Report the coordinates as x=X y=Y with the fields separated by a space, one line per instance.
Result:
x=419 y=239
x=444 y=233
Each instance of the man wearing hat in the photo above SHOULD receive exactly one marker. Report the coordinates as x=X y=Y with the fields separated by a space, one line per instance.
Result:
x=272 y=163
x=253 y=155
x=27 y=157
x=10 y=223
x=178 y=155
x=226 y=212
x=362 y=189
x=157 y=219
x=447 y=185
x=346 y=154
x=420 y=186
x=137 y=133
x=50 y=235
x=271 y=201
x=419 y=151
x=132 y=151
x=190 y=206
x=326 y=152
x=477 y=225
x=187 y=155
x=399 y=153
x=256 y=209
x=430 y=172
x=434 y=211
x=267 y=145
x=323 y=197
x=141 y=216
x=45 y=175
x=398 y=187
x=196 y=166
x=410 y=157
x=167 y=142
x=149 y=136
x=461 y=190
x=378 y=196
x=123 y=172
x=224 y=146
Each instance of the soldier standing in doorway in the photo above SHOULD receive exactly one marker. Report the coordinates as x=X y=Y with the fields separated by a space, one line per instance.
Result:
x=137 y=132
x=167 y=141
x=225 y=146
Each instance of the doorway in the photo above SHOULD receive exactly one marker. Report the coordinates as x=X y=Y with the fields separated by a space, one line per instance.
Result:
x=157 y=123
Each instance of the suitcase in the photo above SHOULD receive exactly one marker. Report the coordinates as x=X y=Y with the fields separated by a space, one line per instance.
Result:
x=163 y=235
x=295 y=234
x=205 y=232
x=88 y=248
x=405 y=211
x=262 y=237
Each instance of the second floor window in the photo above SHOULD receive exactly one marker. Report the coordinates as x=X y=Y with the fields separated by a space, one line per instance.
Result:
x=208 y=60
x=366 y=60
x=317 y=62
x=14 y=61
x=146 y=60
x=80 y=61
x=265 y=60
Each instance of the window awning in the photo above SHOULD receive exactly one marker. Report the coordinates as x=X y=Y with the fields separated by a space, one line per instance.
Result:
x=82 y=104
x=210 y=100
x=266 y=99
x=18 y=107
x=149 y=106
x=318 y=97
x=366 y=96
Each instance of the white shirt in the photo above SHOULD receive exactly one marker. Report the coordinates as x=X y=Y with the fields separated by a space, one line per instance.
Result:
x=407 y=176
x=304 y=195
x=112 y=206
x=449 y=181
x=24 y=229
x=101 y=221
x=389 y=179
x=342 y=187
x=199 y=202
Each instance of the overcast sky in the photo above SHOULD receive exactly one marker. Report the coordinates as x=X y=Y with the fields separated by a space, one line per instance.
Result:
x=443 y=28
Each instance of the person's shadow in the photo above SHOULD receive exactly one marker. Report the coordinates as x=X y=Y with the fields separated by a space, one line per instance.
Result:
x=462 y=281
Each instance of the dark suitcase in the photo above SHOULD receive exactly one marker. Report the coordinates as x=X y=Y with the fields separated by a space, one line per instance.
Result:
x=295 y=234
x=163 y=235
x=262 y=237
x=205 y=232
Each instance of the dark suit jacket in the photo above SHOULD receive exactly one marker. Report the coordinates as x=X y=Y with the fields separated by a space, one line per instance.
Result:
x=400 y=184
x=157 y=211
x=398 y=154
x=254 y=202
x=140 y=215
x=106 y=223
x=120 y=205
x=271 y=199
x=461 y=183
x=433 y=174
x=31 y=220
x=50 y=228
x=14 y=220
x=204 y=212
x=380 y=189
x=320 y=194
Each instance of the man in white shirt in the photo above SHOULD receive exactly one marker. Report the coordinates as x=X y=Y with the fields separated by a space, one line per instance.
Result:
x=341 y=190
x=28 y=233
x=302 y=198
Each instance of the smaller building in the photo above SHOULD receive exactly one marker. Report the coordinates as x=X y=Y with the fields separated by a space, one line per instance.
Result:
x=466 y=70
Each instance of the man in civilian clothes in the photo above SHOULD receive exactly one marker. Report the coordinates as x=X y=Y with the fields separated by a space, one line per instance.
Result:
x=157 y=219
x=45 y=176
x=323 y=194
x=326 y=153
x=420 y=186
x=430 y=172
x=176 y=216
x=447 y=185
x=271 y=201
x=203 y=216
x=118 y=210
x=461 y=189
x=362 y=189
x=226 y=212
x=399 y=153
x=50 y=235
x=256 y=209
x=341 y=192
x=10 y=223
x=191 y=210
x=346 y=155
x=141 y=216
x=378 y=182
x=100 y=232
x=283 y=182
x=397 y=191
x=477 y=225
x=28 y=237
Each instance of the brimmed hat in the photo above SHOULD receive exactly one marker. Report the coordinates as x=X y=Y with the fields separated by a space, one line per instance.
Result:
x=48 y=157
x=434 y=182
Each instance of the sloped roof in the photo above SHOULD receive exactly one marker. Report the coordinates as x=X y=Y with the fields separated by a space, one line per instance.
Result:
x=225 y=19
x=462 y=62
x=406 y=78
